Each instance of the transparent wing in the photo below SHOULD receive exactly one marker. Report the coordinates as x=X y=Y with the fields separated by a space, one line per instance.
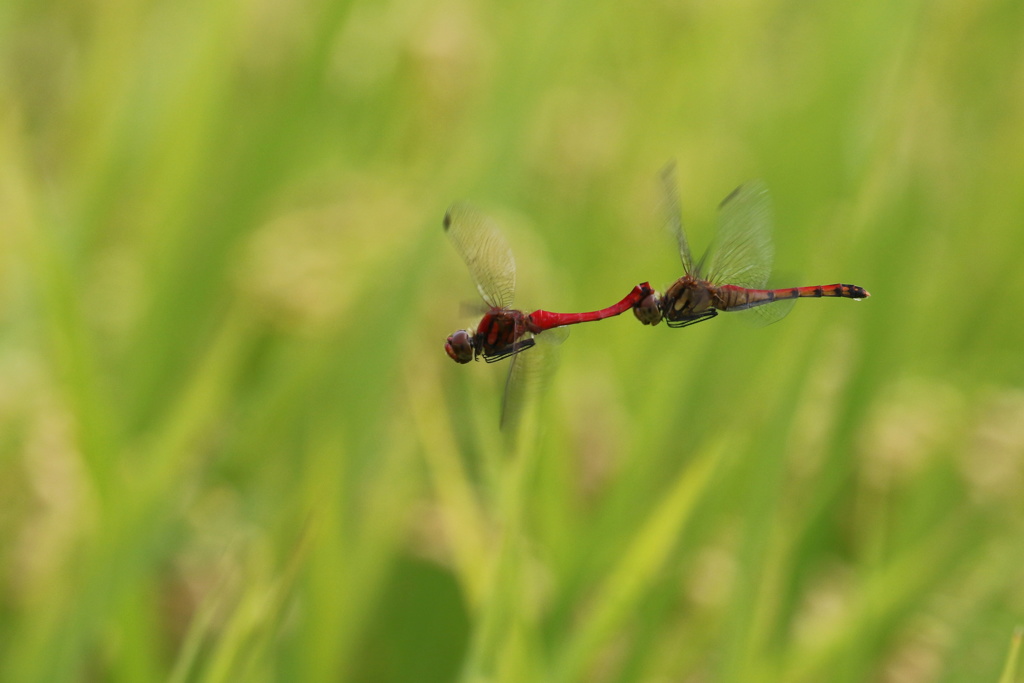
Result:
x=528 y=376
x=741 y=252
x=674 y=215
x=472 y=309
x=759 y=316
x=486 y=253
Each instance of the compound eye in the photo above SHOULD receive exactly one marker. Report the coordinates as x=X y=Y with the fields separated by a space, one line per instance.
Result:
x=459 y=346
x=648 y=311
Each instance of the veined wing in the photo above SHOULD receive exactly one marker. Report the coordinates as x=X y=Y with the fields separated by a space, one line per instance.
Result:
x=528 y=376
x=674 y=215
x=486 y=253
x=741 y=252
x=759 y=316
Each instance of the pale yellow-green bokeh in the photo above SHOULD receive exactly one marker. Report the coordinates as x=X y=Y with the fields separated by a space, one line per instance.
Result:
x=231 y=444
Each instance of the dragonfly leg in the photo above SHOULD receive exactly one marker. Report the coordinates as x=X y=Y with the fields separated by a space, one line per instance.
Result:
x=706 y=315
x=510 y=350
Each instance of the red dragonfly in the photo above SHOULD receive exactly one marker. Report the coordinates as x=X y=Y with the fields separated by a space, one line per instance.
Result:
x=504 y=331
x=732 y=274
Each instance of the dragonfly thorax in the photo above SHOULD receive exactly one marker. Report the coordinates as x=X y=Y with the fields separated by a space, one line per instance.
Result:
x=687 y=298
x=496 y=337
x=498 y=331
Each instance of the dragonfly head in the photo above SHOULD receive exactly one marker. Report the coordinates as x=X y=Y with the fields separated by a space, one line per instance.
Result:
x=648 y=310
x=460 y=347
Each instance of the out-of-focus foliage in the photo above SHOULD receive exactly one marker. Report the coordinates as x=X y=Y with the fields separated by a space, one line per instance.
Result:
x=232 y=447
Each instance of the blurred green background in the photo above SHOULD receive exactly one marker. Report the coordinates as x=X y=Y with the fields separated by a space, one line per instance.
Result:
x=232 y=447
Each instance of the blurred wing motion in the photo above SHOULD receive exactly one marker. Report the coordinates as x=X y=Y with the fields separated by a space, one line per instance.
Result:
x=741 y=252
x=674 y=215
x=486 y=253
x=529 y=375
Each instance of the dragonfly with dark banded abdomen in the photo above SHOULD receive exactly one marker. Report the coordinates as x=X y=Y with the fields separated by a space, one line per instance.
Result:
x=732 y=274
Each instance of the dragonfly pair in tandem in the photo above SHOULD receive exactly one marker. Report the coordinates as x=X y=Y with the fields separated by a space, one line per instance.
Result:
x=731 y=276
